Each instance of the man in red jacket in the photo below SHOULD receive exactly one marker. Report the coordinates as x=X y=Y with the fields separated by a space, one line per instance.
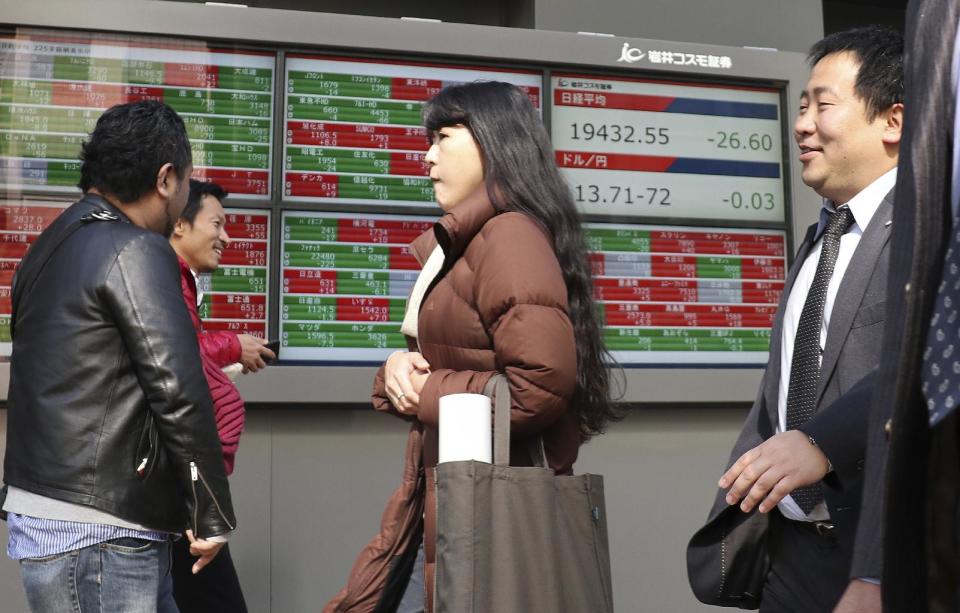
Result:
x=199 y=239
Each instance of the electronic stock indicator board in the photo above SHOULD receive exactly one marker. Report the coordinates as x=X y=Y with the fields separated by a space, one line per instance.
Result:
x=664 y=292
x=642 y=148
x=353 y=129
x=21 y=222
x=346 y=278
x=53 y=90
x=633 y=150
x=234 y=296
x=649 y=149
x=667 y=293
x=681 y=295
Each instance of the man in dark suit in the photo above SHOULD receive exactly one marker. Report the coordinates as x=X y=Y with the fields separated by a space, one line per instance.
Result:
x=919 y=377
x=808 y=425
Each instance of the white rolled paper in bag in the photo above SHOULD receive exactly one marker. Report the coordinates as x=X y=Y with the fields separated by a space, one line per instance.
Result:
x=465 y=428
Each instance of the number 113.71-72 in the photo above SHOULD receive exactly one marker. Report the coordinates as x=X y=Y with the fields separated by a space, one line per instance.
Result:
x=616 y=194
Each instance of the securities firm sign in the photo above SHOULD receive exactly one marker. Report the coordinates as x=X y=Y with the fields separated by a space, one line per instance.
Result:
x=632 y=55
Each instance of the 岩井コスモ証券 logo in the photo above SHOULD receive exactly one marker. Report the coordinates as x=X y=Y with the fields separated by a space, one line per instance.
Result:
x=630 y=54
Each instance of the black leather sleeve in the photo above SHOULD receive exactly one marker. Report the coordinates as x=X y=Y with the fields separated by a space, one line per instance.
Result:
x=143 y=292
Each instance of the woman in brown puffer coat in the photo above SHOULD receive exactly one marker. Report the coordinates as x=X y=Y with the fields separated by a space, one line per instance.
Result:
x=505 y=288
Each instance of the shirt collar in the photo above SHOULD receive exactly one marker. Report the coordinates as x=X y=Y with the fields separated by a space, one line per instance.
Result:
x=863 y=205
x=196 y=282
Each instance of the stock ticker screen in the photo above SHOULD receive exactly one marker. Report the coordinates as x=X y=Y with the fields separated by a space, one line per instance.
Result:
x=681 y=185
x=53 y=90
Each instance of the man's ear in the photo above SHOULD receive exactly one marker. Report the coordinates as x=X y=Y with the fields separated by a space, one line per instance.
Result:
x=179 y=228
x=167 y=181
x=893 y=124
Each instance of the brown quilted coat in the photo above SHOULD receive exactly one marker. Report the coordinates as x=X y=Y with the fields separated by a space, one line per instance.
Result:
x=498 y=305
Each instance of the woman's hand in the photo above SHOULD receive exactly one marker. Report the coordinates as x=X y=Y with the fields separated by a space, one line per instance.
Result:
x=405 y=374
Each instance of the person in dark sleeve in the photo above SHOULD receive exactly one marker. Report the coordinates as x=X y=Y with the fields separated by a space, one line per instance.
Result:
x=909 y=531
x=112 y=446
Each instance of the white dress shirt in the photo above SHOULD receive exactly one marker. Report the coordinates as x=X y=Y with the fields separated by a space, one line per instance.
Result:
x=863 y=206
x=196 y=282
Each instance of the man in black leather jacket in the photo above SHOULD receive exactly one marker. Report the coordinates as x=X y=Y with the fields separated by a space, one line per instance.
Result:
x=111 y=443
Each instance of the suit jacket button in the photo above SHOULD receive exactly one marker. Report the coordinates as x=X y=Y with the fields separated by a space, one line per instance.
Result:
x=887 y=428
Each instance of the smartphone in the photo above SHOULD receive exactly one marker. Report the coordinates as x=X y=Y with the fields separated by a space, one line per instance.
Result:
x=273 y=346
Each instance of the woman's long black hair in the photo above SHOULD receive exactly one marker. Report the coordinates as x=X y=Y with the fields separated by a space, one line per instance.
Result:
x=521 y=175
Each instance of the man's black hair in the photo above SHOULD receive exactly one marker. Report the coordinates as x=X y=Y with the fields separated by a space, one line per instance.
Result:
x=129 y=145
x=199 y=189
x=879 y=50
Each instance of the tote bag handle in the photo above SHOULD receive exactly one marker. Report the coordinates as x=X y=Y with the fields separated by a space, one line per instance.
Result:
x=498 y=389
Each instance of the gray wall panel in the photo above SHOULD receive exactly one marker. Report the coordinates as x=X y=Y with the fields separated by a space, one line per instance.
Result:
x=780 y=24
x=332 y=472
x=253 y=501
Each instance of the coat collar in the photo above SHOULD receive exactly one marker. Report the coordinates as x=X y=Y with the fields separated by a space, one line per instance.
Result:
x=99 y=201
x=185 y=271
x=454 y=231
x=864 y=205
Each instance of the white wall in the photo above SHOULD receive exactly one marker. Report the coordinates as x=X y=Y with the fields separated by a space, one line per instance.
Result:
x=781 y=24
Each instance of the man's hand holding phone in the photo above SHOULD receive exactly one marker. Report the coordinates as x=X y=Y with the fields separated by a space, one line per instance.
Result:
x=256 y=352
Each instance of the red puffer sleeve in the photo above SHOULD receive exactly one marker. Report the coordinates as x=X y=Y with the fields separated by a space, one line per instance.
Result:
x=228 y=410
x=221 y=347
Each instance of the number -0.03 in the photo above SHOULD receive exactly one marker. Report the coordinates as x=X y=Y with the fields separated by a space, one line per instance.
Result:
x=758 y=201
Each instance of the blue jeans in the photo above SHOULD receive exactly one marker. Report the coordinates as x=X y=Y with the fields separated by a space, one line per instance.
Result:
x=414 y=595
x=125 y=575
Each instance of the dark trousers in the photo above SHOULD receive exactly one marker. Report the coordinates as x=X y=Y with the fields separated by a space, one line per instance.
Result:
x=215 y=589
x=943 y=517
x=808 y=571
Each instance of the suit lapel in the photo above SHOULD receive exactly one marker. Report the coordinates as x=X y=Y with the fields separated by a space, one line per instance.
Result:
x=772 y=376
x=854 y=284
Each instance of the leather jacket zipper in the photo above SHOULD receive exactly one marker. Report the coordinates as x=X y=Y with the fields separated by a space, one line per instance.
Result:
x=194 y=474
x=147 y=449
